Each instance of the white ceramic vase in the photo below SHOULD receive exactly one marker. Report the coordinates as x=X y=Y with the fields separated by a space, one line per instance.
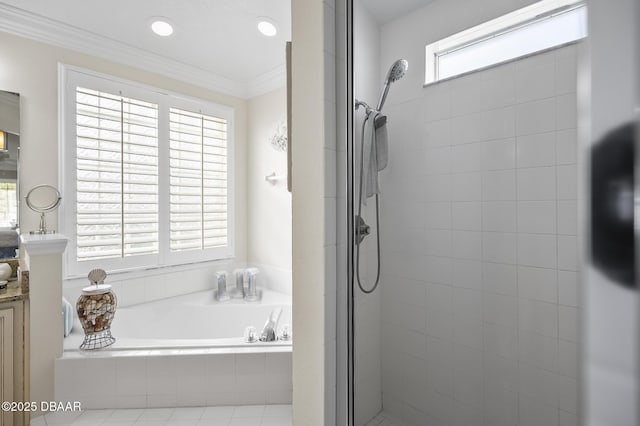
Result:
x=5 y=271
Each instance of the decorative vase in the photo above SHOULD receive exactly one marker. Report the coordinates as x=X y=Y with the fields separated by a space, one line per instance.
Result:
x=5 y=271
x=96 y=308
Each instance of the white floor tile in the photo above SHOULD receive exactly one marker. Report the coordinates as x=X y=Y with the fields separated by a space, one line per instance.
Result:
x=277 y=411
x=61 y=418
x=276 y=421
x=383 y=419
x=184 y=422
x=244 y=411
x=96 y=414
x=247 y=415
x=225 y=412
x=124 y=423
x=246 y=421
x=156 y=414
x=150 y=423
x=214 y=422
x=38 y=421
x=187 y=413
x=124 y=415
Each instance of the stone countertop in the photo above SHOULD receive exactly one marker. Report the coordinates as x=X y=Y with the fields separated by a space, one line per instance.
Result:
x=13 y=294
x=18 y=286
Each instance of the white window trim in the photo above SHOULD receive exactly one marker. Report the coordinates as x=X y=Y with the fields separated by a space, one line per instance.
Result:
x=500 y=25
x=69 y=77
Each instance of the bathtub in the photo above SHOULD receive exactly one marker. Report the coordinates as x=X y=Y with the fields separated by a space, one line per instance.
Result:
x=183 y=351
x=194 y=320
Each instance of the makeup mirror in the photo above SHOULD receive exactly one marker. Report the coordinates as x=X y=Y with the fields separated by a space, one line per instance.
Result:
x=43 y=199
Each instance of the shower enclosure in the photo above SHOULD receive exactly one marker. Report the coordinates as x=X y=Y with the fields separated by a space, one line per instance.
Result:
x=475 y=317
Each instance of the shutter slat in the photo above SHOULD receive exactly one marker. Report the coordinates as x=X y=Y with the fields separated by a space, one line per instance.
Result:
x=198 y=152
x=116 y=134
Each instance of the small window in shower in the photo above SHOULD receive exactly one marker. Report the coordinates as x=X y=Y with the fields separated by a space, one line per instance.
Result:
x=541 y=26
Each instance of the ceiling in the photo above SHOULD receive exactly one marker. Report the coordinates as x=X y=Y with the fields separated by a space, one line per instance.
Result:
x=218 y=37
x=385 y=10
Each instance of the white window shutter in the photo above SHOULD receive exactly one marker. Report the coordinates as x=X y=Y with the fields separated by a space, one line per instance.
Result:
x=198 y=179
x=117 y=176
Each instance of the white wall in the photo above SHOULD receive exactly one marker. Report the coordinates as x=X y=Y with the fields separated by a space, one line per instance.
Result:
x=268 y=206
x=32 y=71
x=314 y=211
x=479 y=297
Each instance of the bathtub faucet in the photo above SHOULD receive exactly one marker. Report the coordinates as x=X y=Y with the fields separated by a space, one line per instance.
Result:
x=238 y=292
x=251 y=294
x=221 y=293
x=269 y=330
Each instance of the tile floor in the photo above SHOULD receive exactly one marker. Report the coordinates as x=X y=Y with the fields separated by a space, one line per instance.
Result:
x=383 y=419
x=248 y=415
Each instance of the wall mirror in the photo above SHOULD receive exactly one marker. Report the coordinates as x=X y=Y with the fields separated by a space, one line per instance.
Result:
x=9 y=171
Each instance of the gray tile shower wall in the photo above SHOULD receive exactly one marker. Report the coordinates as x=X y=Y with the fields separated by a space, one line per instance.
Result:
x=480 y=290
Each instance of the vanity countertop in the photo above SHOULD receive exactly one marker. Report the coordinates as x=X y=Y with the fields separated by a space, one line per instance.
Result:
x=13 y=294
x=18 y=287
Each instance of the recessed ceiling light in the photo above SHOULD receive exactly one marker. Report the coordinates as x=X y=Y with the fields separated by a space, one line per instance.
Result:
x=267 y=27
x=161 y=26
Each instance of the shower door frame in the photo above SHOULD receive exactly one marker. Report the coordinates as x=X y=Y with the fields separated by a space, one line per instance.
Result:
x=346 y=162
x=345 y=391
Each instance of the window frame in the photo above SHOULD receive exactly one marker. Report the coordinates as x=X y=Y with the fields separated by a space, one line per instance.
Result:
x=71 y=77
x=520 y=18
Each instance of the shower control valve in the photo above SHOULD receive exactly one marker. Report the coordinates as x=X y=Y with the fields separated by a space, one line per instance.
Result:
x=362 y=229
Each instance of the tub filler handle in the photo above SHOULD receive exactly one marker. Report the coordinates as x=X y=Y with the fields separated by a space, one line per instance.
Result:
x=269 y=330
x=252 y=294
x=221 y=294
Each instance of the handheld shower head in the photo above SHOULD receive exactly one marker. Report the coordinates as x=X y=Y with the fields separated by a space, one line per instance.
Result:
x=396 y=72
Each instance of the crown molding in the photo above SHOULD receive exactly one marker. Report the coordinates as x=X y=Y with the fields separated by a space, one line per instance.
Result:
x=267 y=82
x=45 y=30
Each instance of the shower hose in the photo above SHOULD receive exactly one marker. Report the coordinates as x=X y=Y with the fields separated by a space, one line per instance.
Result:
x=358 y=240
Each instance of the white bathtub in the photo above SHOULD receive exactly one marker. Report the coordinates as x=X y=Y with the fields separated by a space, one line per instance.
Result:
x=183 y=351
x=194 y=320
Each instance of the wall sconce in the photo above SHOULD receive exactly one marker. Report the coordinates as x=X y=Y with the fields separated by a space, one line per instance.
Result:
x=279 y=138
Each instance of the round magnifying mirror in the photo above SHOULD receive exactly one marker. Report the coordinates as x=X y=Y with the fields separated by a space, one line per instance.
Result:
x=43 y=199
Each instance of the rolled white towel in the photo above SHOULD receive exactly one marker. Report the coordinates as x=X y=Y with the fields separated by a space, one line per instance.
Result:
x=67 y=317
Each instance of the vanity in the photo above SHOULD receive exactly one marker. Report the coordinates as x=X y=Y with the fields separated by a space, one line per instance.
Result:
x=14 y=346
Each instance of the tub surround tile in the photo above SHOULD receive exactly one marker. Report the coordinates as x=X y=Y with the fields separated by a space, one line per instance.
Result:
x=178 y=381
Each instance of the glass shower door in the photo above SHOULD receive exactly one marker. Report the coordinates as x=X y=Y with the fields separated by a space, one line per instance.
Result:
x=475 y=320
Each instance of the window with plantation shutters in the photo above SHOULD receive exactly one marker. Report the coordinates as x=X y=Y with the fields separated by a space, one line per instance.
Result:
x=117 y=175
x=198 y=179
x=8 y=204
x=147 y=180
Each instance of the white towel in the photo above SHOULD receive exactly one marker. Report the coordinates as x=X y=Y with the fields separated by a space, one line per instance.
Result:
x=376 y=153
x=67 y=317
